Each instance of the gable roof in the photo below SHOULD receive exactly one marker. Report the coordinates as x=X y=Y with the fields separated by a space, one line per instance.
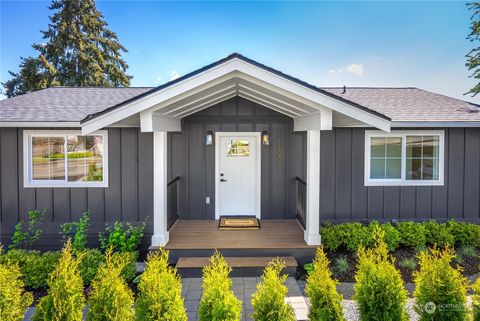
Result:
x=81 y=104
x=226 y=59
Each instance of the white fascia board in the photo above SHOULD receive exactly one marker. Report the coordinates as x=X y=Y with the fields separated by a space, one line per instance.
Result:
x=39 y=124
x=230 y=67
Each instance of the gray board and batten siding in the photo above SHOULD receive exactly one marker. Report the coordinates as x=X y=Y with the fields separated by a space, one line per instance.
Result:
x=128 y=198
x=343 y=196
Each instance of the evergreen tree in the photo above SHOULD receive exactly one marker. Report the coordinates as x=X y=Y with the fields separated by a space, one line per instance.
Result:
x=79 y=50
x=473 y=57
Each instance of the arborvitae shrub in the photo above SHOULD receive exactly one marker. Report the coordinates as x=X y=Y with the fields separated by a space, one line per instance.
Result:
x=476 y=300
x=379 y=289
x=13 y=300
x=218 y=301
x=160 y=291
x=321 y=289
x=110 y=298
x=65 y=299
x=269 y=300
x=412 y=235
x=439 y=283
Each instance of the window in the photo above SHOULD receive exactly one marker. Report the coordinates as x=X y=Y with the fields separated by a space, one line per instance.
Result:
x=404 y=158
x=55 y=158
x=238 y=148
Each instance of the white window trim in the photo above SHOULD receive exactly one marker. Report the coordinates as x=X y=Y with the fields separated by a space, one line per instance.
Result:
x=27 y=159
x=403 y=134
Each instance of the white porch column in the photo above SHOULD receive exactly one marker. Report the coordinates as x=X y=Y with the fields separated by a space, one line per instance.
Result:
x=312 y=233
x=160 y=233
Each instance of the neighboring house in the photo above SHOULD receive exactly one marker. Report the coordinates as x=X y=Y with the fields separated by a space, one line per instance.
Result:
x=237 y=138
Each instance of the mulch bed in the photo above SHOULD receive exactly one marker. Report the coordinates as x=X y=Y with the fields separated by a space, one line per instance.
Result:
x=470 y=265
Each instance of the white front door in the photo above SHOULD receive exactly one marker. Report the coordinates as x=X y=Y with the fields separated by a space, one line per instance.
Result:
x=237 y=174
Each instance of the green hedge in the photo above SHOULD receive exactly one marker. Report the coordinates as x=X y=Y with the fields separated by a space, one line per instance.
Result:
x=349 y=236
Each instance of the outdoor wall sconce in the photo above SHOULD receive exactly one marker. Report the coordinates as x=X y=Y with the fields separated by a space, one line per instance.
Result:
x=265 y=138
x=209 y=138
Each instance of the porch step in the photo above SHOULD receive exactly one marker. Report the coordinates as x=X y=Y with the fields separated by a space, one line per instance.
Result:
x=241 y=266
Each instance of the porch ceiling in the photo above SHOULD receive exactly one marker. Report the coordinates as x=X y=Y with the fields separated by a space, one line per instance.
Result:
x=236 y=86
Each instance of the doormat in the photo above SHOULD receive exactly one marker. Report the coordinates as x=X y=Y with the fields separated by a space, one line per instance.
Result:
x=238 y=223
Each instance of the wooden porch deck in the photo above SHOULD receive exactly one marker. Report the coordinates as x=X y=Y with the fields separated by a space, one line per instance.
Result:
x=200 y=235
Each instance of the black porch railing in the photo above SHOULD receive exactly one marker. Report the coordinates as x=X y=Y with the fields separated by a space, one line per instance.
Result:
x=301 y=189
x=172 y=202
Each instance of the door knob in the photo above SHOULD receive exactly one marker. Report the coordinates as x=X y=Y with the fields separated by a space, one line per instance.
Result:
x=223 y=180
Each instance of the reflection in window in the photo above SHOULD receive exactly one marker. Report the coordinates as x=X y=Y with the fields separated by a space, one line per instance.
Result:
x=238 y=148
x=85 y=158
x=68 y=158
x=422 y=157
x=386 y=158
x=48 y=158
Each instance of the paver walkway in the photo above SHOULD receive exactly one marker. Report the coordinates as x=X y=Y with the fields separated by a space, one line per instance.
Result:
x=243 y=287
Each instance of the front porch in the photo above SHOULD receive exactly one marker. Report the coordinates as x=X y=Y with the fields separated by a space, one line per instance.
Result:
x=195 y=238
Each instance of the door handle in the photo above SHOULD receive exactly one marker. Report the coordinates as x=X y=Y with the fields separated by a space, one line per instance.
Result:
x=223 y=180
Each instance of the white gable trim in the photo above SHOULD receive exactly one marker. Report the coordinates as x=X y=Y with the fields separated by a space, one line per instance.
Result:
x=239 y=69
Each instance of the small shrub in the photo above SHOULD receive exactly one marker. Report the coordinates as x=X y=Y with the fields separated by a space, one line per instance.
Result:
x=438 y=234
x=13 y=300
x=468 y=251
x=269 y=300
x=392 y=235
x=332 y=237
x=439 y=283
x=465 y=234
x=34 y=266
x=409 y=263
x=110 y=298
x=355 y=234
x=308 y=267
x=218 y=301
x=379 y=289
x=89 y=264
x=412 y=234
x=476 y=300
x=129 y=272
x=65 y=299
x=160 y=291
x=25 y=236
x=321 y=289
x=342 y=265
x=121 y=239
x=77 y=231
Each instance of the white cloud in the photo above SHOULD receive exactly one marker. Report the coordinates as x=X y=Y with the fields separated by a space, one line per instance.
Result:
x=158 y=80
x=174 y=75
x=355 y=69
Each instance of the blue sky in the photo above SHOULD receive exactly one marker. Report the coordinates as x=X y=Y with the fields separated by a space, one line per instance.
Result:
x=390 y=44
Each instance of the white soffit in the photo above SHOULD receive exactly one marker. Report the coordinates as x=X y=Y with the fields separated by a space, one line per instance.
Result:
x=226 y=80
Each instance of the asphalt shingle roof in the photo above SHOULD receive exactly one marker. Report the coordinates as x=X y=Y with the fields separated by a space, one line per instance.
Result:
x=410 y=104
x=58 y=104
x=73 y=104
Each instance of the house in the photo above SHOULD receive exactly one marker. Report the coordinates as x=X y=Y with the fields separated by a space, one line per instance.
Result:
x=237 y=138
